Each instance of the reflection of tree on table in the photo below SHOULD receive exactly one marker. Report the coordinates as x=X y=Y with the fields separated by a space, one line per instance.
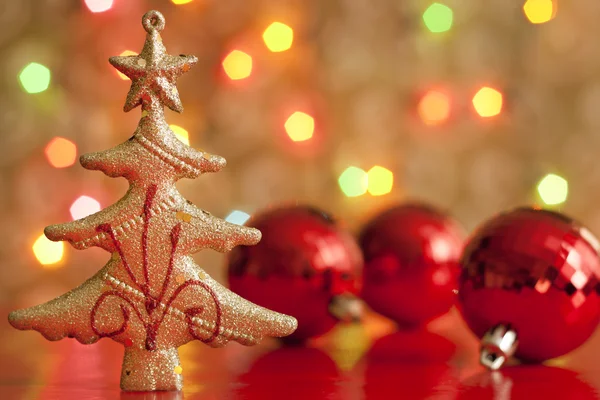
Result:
x=151 y=296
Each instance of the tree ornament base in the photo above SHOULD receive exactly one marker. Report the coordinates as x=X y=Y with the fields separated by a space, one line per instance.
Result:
x=145 y=370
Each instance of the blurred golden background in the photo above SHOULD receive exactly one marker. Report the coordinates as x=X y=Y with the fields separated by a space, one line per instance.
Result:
x=349 y=105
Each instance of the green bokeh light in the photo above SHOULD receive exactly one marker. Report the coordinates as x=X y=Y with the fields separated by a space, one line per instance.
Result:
x=35 y=78
x=353 y=182
x=553 y=189
x=438 y=18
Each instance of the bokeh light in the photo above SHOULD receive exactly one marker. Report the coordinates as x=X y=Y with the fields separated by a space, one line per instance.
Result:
x=84 y=206
x=278 y=37
x=48 y=252
x=434 y=107
x=539 y=11
x=181 y=133
x=237 y=65
x=179 y=2
x=380 y=181
x=237 y=217
x=487 y=102
x=300 y=126
x=97 y=6
x=125 y=53
x=35 y=78
x=553 y=189
x=438 y=18
x=353 y=181
x=61 y=152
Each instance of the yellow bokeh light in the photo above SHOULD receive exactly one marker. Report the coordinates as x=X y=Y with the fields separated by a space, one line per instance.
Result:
x=61 y=152
x=181 y=133
x=380 y=181
x=300 y=126
x=553 y=189
x=237 y=65
x=487 y=102
x=539 y=11
x=434 y=108
x=179 y=2
x=48 y=252
x=125 y=53
x=278 y=37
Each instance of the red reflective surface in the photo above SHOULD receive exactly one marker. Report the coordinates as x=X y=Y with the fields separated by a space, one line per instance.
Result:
x=302 y=373
x=527 y=382
x=411 y=268
x=538 y=271
x=302 y=261
x=372 y=361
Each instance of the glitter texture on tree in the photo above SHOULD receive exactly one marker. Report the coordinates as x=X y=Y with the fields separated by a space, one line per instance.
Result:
x=151 y=296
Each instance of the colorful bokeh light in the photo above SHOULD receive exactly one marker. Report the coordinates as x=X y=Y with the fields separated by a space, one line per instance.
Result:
x=353 y=181
x=237 y=217
x=438 y=18
x=553 y=189
x=237 y=65
x=278 y=37
x=125 y=53
x=488 y=102
x=181 y=133
x=35 y=78
x=300 y=126
x=48 y=252
x=539 y=11
x=97 y=6
x=434 y=107
x=84 y=206
x=380 y=181
x=61 y=152
x=179 y=2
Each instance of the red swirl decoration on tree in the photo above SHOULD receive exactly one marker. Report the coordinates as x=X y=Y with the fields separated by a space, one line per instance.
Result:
x=153 y=320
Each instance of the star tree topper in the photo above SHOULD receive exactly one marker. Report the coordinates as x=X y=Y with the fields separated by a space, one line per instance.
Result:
x=151 y=296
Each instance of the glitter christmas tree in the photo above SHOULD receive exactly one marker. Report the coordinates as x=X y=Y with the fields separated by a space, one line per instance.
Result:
x=151 y=296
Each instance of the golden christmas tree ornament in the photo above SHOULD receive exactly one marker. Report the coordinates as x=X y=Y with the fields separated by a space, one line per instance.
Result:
x=151 y=296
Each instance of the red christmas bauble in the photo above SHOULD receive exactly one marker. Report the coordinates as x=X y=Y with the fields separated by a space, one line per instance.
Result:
x=411 y=254
x=535 y=272
x=304 y=266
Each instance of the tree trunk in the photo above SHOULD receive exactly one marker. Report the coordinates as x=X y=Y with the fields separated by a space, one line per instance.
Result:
x=145 y=370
